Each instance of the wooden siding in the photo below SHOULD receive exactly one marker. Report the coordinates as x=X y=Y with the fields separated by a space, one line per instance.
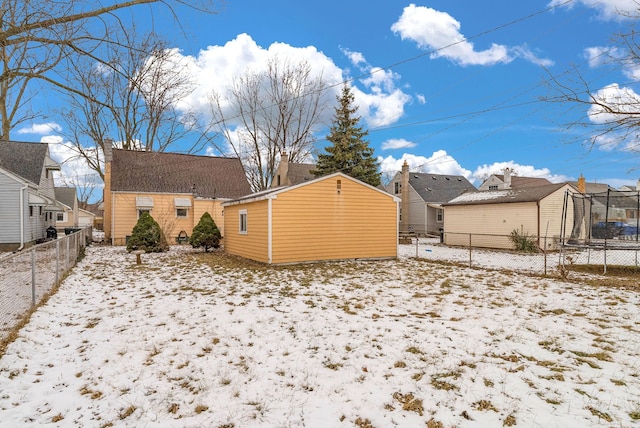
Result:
x=314 y=222
x=10 y=209
x=253 y=244
x=489 y=219
x=551 y=218
x=125 y=214
x=213 y=207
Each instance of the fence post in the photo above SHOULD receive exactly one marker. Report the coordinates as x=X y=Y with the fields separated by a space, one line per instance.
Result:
x=66 y=256
x=469 y=250
x=545 y=256
x=33 y=277
x=57 y=261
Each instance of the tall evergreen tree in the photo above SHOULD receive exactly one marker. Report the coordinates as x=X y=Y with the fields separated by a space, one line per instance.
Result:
x=349 y=152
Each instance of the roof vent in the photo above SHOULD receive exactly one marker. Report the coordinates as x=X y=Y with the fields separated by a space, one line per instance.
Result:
x=415 y=176
x=446 y=178
x=433 y=177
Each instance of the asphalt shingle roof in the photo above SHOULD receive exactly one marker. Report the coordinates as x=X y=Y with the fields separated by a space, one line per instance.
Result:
x=23 y=159
x=525 y=194
x=298 y=173
x=518 y=182
x=162 y=172
x=438 y=188
x=66 y=195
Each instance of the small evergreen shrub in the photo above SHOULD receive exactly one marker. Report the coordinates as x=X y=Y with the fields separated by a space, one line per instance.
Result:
x=523 y=241
x=147 y=236
x=206 y=234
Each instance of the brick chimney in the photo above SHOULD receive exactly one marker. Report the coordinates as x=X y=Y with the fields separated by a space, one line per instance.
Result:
x=404 y=197
x=582 y=184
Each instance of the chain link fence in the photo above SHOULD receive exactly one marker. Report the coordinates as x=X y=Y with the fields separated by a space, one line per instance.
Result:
x=26 y=277
x=498 y=252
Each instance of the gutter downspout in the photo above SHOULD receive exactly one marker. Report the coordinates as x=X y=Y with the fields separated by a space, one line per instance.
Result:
x=22 y=189
x=111 y=220
x=538 y=221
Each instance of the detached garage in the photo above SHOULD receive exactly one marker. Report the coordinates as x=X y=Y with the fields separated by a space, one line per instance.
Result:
x=333 y=217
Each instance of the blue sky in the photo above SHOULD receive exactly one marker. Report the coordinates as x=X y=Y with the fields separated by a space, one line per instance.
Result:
x=451 y=86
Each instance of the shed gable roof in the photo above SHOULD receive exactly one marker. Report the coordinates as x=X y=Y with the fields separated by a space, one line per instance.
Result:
x=26 y=160
x=162 y=172
x=438 y=188
x=527 y=194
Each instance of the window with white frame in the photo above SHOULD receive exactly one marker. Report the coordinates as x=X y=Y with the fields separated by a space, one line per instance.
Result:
x=439 y=215
x=143 y=210
x=61 y=217
x=182 y=207
x=242 y=228
x=493 y=187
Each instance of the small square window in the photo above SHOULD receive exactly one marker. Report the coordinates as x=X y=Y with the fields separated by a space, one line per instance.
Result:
x=181 y=212
x=243 y=222
x=59 y=216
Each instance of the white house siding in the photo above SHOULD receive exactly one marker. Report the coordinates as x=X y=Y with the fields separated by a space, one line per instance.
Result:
x=10 y=209
x=489 y=224
x=416 y=212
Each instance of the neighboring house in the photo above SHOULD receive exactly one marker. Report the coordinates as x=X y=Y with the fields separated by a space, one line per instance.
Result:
x=510 y=181
x=422 y=197
x=68 y=216
x=489 y=217
x=86 y=218
x=333 y=217
x=176 y=189
x=97 y=209
x=290 y=174
x=27 y=197
x=587 y=187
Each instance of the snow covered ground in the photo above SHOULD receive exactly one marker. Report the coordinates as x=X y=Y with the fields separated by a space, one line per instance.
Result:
x=176 y=342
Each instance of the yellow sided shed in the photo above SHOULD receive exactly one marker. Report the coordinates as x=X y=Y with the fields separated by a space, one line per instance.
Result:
x=334 y=217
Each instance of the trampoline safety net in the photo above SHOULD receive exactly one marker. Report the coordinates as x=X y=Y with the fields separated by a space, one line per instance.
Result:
x=608 y=219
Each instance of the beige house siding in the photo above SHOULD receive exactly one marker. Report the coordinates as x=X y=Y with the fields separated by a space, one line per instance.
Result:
x=489 y=219
x=213 y=207
x=551 y=219
x=314 y=222
x=253 y=244
x=163 y=211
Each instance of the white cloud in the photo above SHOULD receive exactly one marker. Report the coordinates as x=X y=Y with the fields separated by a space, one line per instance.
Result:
x=602 y=55
x=74 y=170
x=609 y=9
x=397 y=143
x=356 y=58
x=40 y=128
x=439 y=33
x=623 y=100
x=421 y=99
x=438 y=163
x=484 y=171
x=216 y=67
